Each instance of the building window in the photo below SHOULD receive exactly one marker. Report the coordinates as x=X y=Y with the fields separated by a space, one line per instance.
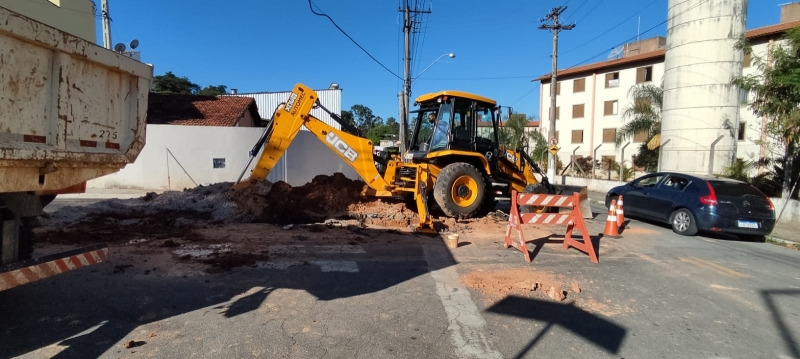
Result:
x=557 y=139
x=577 y=136
x=612 y=79
x=558 y=112
x=744 y=96
x=219 y=162
x=742 y=126
x=610 y=107
x=579 y=85
x=558 y=88
x=748 y=58
x=644 y=74
x=641 y=136
x=609 y=135
x=577 y=111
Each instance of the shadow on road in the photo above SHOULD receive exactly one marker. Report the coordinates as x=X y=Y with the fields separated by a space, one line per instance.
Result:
x=783 y=329
x=86 y=313
x=599 y=331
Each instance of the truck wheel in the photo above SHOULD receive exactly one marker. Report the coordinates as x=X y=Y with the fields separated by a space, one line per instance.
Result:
x=24 y=239
x=459 y=190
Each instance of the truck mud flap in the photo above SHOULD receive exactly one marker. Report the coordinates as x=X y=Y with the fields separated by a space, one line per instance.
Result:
x=17 y=274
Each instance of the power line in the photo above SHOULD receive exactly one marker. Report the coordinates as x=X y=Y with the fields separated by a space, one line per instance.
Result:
x=597 y=3
x=634 y=37
x=610 y=29
x=351 y=39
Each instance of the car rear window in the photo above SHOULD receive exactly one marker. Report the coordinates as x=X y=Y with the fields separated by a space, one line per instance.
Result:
x=734 y=189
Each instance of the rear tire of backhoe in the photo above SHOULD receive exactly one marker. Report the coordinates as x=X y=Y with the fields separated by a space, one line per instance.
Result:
x=460 y=190
x=538 y=188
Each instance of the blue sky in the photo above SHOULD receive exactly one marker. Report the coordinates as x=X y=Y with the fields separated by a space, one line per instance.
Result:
x=258 y=46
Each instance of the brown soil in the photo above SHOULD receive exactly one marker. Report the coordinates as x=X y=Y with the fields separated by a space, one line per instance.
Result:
x=328 y=203
x=323 y=198
x=496 y=284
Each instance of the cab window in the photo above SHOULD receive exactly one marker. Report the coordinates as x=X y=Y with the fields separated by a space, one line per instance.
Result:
x=441 y=130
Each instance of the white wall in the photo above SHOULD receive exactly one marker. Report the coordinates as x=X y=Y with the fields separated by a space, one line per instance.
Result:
x=178 y=157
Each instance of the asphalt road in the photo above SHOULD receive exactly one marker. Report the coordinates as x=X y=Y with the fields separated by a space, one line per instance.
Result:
x=655 y=295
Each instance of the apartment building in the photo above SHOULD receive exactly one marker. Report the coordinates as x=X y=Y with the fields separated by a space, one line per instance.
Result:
x=591 y=98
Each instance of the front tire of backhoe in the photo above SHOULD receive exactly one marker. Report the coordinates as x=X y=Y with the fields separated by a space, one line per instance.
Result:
x=459 y=190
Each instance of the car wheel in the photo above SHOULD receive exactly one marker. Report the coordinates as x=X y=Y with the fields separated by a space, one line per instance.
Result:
x=683 y=222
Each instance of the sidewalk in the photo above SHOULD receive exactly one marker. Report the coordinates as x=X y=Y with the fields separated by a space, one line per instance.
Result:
x=782 y=232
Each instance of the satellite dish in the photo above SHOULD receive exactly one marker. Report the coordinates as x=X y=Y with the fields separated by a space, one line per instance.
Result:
x=134 y=44
x=615 y=52
x=120 y=47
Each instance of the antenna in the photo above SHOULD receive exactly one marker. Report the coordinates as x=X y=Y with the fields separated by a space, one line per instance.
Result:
x=119 y=47
x=134 y=44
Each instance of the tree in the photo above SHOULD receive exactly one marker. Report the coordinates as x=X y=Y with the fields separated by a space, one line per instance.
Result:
x=647 y=158
x=776 y=96
x=214 y=90
x=349 y=124
x=644 y=115
x=169 y=83
x=364 y=118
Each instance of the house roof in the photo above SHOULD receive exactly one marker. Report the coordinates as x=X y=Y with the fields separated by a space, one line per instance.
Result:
x=771 y=30
x=198 y=110
x=659 y=54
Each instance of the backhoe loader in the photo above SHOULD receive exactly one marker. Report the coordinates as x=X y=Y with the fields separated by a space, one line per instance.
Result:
x=453 y=157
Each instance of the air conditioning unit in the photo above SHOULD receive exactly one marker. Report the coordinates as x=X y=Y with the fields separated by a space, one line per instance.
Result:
x=613 y=83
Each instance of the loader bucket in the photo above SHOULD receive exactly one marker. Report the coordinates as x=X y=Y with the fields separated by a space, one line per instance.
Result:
x=563 y=189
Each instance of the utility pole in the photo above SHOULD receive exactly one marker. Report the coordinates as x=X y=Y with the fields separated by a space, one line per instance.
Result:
x=408 y=27
x=106 y=25
x=555 y=27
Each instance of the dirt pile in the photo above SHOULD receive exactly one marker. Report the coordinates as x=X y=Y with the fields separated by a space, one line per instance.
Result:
x=496 y=284
x=325 y=197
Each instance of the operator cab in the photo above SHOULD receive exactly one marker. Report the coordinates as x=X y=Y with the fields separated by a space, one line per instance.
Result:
x=453 y=121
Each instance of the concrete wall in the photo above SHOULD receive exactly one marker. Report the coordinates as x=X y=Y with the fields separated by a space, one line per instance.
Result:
x=178 y=157
x=699 y=98
x=75 y=17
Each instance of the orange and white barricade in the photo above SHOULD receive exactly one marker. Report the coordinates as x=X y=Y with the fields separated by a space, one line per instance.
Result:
x=572 y=219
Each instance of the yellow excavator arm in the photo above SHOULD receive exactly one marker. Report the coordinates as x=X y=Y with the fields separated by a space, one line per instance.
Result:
x=286 y=123
x=356 y=151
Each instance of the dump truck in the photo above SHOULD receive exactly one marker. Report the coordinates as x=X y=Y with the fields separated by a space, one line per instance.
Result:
x=454 y=155
x=70 y=111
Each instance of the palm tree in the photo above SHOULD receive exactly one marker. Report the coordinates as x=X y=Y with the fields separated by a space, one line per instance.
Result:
x=644 y=115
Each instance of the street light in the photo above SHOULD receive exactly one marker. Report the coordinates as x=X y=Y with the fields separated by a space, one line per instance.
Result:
x=450 y=55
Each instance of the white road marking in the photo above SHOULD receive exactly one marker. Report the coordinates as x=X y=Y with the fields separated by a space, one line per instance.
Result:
x=466 y=324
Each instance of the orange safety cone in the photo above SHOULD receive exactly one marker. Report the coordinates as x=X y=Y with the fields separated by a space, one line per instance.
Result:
x=612 y=230
x=620 y=214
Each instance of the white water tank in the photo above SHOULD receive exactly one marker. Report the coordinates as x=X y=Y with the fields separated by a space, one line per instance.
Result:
x=701 y=105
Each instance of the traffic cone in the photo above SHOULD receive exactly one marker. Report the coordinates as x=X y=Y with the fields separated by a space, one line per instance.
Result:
x=620 y=214
x=612 y=230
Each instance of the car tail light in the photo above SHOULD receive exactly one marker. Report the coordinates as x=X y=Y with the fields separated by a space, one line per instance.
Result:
x=771 y=205
x=711 y=198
